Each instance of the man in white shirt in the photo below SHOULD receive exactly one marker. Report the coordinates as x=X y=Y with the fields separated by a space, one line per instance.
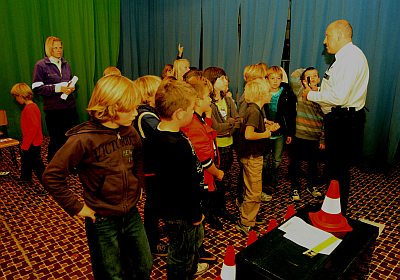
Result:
x=342 y=98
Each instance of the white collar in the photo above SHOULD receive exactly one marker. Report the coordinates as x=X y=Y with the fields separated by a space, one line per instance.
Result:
x=55 y=60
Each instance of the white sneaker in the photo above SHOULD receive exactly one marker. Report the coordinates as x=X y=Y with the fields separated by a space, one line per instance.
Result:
x=265 y=197
x=296 y=195
x=201 y=268
x=314 y=192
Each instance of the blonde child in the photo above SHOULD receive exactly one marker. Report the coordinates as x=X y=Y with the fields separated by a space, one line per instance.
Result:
x=146 y=124
x=106 y=152
x=111 y=70
x=32 y=137
x=181 y=67
x=251 y=148
x=281 y=110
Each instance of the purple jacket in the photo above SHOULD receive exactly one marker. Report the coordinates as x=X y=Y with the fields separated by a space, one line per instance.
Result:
x=45 y=76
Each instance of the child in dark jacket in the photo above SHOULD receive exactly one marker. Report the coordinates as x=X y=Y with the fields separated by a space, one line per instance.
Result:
x=179 y=180
x=106 y=152
x=281 y=110
x=146 y=124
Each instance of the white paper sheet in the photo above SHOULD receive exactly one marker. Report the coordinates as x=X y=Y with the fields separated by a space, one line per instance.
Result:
x=307 y=235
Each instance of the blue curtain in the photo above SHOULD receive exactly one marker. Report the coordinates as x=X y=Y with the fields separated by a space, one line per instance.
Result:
x=151 y=31
x=263 y=24
x=135 y=38
x=376 y=29
x=208 y=30
x=220 y=37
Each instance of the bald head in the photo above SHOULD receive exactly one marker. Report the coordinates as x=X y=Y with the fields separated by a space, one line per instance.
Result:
x=343 y=26
x=337 y=34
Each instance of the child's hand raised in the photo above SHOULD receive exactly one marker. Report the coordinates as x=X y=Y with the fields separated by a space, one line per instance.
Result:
x=180 y=50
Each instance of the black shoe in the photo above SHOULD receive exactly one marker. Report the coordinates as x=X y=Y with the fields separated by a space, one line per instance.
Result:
x=161 y=250
x=227 y=216
x=260 y=221
x=206 y=256
x=215 y=223
x=41 y=192
x=22 y=181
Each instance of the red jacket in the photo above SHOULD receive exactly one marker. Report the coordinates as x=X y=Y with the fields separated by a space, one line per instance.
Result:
x=31 y=126
x=202 y=136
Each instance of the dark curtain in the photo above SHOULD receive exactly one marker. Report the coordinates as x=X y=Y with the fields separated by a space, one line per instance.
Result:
x=221 y=37
x=90 y=34
x=376 y=29
x=263 y=26
x=151 y=31
x=208 y=30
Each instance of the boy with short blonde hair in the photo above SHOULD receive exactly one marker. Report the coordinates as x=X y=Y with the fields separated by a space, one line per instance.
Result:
x=106 y=152
x=281 y=110
x=32 y=137
x=179 y=180
x=251 y=148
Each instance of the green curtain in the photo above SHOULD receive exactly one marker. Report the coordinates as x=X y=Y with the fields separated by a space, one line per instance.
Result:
x=90 y=30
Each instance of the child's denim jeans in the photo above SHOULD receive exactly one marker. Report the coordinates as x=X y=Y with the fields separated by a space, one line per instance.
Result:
x=118 y=247
x=185 y=240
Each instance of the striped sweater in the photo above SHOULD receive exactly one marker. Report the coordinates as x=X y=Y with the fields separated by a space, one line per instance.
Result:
x=309 y=120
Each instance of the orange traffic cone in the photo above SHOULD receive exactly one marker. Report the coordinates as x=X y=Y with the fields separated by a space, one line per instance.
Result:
x=330 y=217
x=228 y=271
x=290 y=212
x=252 y=237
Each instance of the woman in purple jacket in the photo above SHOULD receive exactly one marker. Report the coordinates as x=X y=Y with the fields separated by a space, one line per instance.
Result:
x=51 y=80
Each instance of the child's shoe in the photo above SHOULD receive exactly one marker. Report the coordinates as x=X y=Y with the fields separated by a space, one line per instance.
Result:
x=265 y=197
x=201 y=268
x=314 y=192
x=243 y=228
x=161 y=250
x=296 y=195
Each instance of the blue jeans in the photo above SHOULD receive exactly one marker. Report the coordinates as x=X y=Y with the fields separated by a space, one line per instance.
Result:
x=118 y=247
x=275 y=150
x=185 y=240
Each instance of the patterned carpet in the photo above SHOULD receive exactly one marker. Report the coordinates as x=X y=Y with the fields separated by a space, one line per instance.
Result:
x=40 y=241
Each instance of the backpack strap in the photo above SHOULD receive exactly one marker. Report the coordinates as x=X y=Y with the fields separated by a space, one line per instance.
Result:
x=140 y=122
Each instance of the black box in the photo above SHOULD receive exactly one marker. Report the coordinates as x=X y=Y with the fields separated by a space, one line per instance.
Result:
x=273 y=256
